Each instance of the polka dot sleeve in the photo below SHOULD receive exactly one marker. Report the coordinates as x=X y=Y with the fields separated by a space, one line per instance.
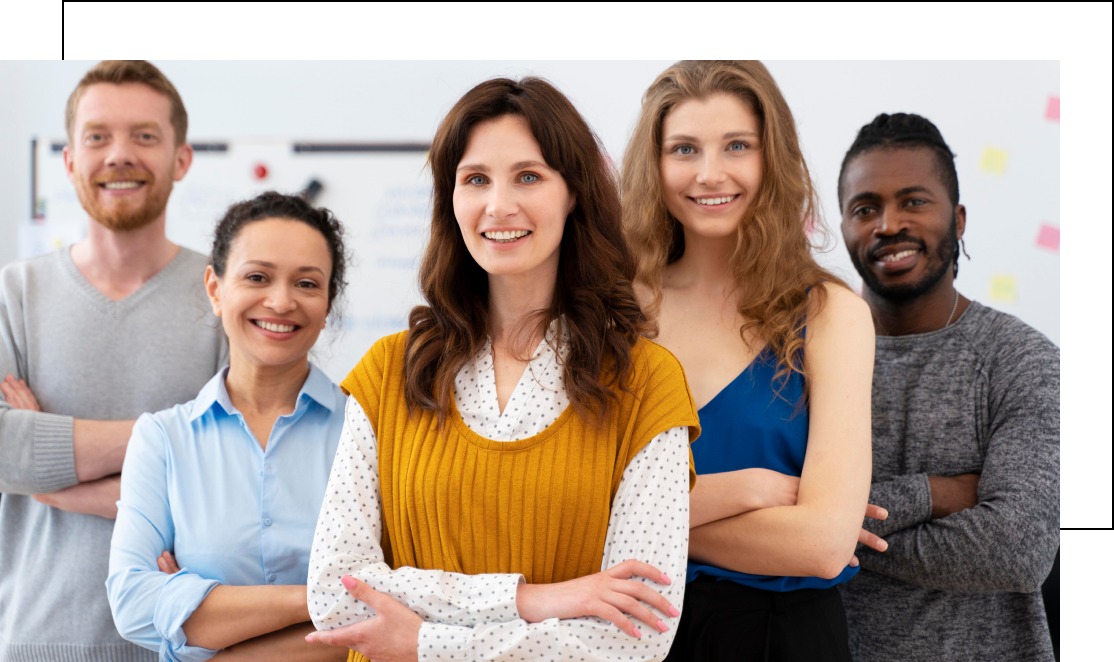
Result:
x=347 y=541
x=649 y=522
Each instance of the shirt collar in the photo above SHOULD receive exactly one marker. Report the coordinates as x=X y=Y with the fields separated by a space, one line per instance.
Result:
x=317 y=387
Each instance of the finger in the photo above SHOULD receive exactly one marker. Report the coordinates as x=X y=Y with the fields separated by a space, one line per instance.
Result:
x=872 y=541
x=634 y=567
x=629 y=605
x=876 y=512
x=349 y=635
x=646 y=594
x=854 y=561
x=609 y=613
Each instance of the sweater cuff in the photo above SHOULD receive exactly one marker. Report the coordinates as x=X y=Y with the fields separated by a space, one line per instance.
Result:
x=908 y=500
x=54 y=461
x=444 y=643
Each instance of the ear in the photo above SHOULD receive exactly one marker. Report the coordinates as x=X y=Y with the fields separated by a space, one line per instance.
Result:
x=67 y=161
x=183 y=158
x=960 y=220
x=572 y=205
x=212 y=288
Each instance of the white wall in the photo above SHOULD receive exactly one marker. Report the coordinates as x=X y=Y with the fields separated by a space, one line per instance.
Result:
x=975 y=105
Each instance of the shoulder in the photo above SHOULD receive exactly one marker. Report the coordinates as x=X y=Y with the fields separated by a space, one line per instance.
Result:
x=372 y=366
x=653 y=361
x=17 y=275
x=840 y=314
x=192 y=260
x=1004 y=342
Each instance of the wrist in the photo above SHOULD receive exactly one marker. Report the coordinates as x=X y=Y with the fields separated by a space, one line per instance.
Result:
x=297 y=604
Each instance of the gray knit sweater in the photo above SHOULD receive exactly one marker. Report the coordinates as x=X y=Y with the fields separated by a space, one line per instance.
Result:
x=982 y=395
x=84 y=356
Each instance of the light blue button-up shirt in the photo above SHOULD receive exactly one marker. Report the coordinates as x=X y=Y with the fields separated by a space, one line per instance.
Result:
x=196 y=482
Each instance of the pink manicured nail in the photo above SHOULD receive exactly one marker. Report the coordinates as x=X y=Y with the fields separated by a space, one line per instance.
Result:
x=638 y=633
x=309 y=638
x=662 y=626
x=348 y=582
x=665 y=579
x=674 y=612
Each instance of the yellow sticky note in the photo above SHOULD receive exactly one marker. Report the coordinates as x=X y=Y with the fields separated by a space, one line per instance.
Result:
x=994 y=160
x=1003 y=288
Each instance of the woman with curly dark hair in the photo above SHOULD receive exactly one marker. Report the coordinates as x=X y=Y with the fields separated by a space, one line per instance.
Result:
x=219 y=496
x=520 y=454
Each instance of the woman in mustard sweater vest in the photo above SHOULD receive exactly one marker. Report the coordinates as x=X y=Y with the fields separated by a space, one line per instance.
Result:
x=512 y=462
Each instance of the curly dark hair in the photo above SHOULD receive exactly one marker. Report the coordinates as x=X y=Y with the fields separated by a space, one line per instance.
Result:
x=293 y=207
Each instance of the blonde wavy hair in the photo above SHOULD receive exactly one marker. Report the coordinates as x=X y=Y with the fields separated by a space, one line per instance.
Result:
x=775 y=271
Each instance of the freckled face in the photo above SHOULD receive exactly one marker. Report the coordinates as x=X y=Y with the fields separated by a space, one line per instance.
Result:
x=273 y=299
x=510 y=205
x=711 y=163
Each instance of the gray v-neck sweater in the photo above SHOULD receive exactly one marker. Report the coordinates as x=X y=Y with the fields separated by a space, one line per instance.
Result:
x=84 y=356
x=982 y=395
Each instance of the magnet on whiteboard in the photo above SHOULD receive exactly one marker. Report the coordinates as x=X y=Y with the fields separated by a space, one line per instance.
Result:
x=260 y=171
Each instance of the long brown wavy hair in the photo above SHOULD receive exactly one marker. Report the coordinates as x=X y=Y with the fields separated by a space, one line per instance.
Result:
x=594 y=292
x=773 y=263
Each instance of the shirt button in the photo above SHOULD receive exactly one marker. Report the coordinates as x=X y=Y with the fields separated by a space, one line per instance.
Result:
x=271 y=578
x=267 y=522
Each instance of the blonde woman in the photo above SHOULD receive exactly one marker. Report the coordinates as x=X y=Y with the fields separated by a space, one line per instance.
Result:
x=778 y=353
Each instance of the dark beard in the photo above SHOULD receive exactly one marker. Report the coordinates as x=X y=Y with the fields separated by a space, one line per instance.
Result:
x=946 y=254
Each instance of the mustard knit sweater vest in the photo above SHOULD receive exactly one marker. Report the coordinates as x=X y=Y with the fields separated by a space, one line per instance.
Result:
x=455 y=501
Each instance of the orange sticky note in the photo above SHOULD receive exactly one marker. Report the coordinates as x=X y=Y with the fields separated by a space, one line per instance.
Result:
x=1049 y=237
x=994 y=160
x=1052 y=110
x=1003 y=287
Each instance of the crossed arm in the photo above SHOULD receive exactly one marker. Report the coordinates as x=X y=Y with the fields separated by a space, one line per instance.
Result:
x=815 y=533
x=92 y=486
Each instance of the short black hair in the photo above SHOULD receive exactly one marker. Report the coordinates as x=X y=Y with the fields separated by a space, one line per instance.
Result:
x=277 y=205
x=903 y=131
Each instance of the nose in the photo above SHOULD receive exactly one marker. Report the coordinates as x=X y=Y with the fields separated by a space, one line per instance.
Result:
x=502 y=202
x=890 y=221
x=121 y=154
x=711 y=172
x=279 y=299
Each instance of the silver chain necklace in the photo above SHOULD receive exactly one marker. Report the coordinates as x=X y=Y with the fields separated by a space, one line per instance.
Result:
x=954 y=306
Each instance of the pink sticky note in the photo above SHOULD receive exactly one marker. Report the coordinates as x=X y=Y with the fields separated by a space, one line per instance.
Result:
x=1049 y=237
x=1052 y=111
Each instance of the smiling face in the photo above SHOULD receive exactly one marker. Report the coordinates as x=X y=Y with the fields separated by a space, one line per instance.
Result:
x=273 y=299
x=510 y=205
x=123 y=160
x=711 y=163
x=898 y=222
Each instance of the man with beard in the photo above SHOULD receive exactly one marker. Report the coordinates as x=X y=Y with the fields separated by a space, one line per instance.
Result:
x=966 y=423
x=93 y=336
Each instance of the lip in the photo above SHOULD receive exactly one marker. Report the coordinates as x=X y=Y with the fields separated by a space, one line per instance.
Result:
x=735 y=198
x=275 y=335
x=507 y=245
x=898 y=266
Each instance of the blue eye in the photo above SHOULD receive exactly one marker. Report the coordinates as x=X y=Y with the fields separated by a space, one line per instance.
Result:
x=737 y=147
x=529 y=178
x=476 y=180
x=684 y=150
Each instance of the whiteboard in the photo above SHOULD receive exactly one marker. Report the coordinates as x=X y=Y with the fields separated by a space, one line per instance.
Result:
x=382 y=197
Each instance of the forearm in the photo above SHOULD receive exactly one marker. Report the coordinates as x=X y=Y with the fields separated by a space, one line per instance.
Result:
x=98 y=498
x=233 y=614
x=286 y=645
x=795 y=541
x=992 y=547
x=907 y=499
x=36 y=451
x=718 y=496
x=99 y=447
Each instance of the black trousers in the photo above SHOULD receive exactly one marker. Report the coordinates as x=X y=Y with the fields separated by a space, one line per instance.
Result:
x=727 y=621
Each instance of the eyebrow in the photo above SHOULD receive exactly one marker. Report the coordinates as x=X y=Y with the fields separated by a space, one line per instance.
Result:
x=871 y=195
x=732 y=134
x=271 y=265
x=477 y=167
